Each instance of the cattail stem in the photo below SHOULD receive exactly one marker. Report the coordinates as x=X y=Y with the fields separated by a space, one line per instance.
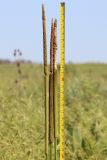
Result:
x=45 y=81
x=55 y=86
x=55 y=112
x=51 y=109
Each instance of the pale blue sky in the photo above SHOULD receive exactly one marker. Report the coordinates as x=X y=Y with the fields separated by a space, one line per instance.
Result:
x=86 y=28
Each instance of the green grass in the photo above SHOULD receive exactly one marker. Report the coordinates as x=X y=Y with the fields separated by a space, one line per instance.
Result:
x=22 y=121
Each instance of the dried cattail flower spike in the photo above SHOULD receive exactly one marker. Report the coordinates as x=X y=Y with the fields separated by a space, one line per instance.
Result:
x=55 y=87
x=45 y=81
x=51 y=109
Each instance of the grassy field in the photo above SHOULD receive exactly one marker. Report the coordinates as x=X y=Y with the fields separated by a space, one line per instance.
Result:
x=22 y=112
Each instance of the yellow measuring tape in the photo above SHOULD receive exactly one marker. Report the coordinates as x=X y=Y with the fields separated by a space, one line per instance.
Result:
x=62 y=63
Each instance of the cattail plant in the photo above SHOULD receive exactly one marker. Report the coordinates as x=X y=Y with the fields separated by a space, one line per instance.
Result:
x=51 y=106
x=51 y=112
x=18 y=63
x=55 y=86
x=17 y=54
x=45 y=81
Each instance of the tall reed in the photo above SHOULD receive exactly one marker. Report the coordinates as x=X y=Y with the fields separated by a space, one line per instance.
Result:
x=17 y=54
x=51 y=109
x=55 y=87
x=45 y=80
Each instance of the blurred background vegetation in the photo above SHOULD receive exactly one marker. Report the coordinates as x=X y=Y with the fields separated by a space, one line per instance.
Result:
x=22 y=112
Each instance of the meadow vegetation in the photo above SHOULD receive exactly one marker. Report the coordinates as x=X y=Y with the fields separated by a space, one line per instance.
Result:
x=22 y=118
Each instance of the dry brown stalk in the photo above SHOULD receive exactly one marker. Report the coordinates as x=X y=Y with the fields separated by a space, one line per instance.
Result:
x=55 y=87
x=44 y=39
x=55 y=45
x=54 y=70
x=51 y=115
x=45 y=81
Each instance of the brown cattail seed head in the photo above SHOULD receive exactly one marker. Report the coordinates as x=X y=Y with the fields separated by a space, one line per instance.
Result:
x=55 y=34
x=51 y=47
x=43 y=12
x=55 y=44
x=44 y=39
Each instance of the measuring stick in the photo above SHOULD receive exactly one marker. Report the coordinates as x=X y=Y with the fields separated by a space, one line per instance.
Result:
x=62 y=63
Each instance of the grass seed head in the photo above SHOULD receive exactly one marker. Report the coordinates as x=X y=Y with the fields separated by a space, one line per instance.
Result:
x=51 y=47
x=55 y=45
x=44 y=39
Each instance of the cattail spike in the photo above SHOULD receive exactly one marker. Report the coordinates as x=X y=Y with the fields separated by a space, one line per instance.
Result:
x=51 y=105
x=45 y=81
x=51 y=47
x=55 y=45
x=43 y=12
x=44 y=39
x=51 y=117
x=55 y=87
